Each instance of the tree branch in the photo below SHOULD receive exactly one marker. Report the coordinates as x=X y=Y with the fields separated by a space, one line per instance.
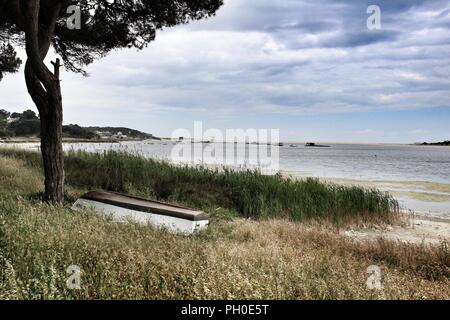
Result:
x=36 y=91
x=56 y=66
x=32 y=45
x=38 y=41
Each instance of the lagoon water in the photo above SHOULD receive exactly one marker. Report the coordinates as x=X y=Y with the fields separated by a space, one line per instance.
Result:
x=419 y=176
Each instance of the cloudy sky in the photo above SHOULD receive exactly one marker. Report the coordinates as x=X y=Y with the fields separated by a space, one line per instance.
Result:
x=309 y=68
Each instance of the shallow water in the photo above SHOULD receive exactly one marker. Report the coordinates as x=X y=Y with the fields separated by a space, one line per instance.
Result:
x=419 y=176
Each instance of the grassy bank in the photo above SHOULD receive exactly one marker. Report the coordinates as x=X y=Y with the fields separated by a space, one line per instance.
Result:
x=222 y=192
x=272 y=259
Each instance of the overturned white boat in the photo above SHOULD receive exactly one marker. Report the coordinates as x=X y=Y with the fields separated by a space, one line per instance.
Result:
x=127 y=208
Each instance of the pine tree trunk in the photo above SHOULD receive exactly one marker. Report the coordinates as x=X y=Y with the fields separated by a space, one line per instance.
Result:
x=52 y=151
x=49 y=104
x=45 y=90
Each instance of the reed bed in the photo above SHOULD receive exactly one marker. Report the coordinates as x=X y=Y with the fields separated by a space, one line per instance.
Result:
x=248 y=194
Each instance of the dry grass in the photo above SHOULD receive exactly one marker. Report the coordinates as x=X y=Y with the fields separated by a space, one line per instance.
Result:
x=242 y=259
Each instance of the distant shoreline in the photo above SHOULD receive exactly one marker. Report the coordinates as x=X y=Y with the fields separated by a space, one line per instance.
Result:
x=286 y=143
x=73 y=140
x=439 y=144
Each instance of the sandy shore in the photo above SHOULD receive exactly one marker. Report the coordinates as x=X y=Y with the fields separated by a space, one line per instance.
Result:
x=416 y=229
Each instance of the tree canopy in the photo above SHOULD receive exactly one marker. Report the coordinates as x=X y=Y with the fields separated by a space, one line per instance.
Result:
x=105 y=25
x=8 y=60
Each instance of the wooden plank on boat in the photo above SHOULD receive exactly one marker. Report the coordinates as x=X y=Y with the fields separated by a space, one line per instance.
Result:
x=123 y=207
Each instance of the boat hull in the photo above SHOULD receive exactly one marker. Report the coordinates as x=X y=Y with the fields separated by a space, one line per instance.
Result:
x=121 y=213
